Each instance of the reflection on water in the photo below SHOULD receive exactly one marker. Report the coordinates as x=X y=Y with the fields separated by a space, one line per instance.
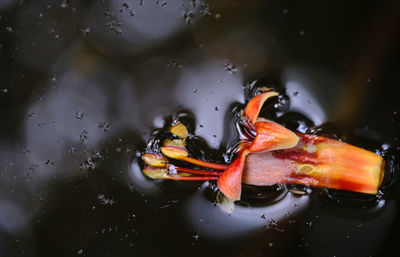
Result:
x=83 y=83
x=208 y=90
x=244 y=220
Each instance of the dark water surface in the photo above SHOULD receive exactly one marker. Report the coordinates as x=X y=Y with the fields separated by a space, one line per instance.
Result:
x=84 y=85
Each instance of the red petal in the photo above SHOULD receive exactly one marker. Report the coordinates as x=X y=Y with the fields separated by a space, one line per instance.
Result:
x=254 y=106
x=272 y=136
x=230 y=183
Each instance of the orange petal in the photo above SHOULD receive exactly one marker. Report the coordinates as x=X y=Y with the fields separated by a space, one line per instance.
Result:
x=272 y=136
x=254 y=106
x=230 y=183
x=318 y=161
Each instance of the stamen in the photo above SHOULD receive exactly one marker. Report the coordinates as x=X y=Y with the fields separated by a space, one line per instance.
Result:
x=192 y=178
x=182 y=154
x=179 y=130
x=154 y=159
x=200 y=172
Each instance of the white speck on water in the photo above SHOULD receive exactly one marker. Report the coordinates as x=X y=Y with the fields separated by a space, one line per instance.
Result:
x=231 y=68
x=83 y=136
x=80 y=251
x=104 y=200
x=79 y=115
x=188 y=16
x=105 y=126
x=86 y=31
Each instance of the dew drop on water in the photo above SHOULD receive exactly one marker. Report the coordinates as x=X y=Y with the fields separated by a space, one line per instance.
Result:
x=105 y=126
x=188 y=16
x=83 y=136
x=283 y=103
x=86 y=31
x=231 y=68
x=79 y=115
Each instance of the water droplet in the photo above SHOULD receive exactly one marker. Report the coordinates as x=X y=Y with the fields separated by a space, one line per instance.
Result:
x=80 y=251
x=285 y=11
x=188 y=16
x=64 y=4
x=231 y=68
x=196 y=237
x=83 y=136
x=104 y=200
x=105 y=126
x=301 y=32
x=79 y=115
x=4 y=90
x=270 y=244
x=86 y=31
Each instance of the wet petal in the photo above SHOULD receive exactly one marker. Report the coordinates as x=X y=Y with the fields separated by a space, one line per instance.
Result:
x=230 y=183
x=253 y=108
x=272 y=136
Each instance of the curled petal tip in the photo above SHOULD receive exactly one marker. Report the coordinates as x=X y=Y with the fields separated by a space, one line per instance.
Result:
x=254 y=106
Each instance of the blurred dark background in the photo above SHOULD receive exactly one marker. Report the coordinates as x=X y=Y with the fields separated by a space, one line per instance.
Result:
x=83 y=83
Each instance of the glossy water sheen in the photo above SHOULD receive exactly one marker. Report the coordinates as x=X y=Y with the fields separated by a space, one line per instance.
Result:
x=85 y=86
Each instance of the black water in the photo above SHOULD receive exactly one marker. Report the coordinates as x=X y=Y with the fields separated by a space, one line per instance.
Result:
x=85 y=85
